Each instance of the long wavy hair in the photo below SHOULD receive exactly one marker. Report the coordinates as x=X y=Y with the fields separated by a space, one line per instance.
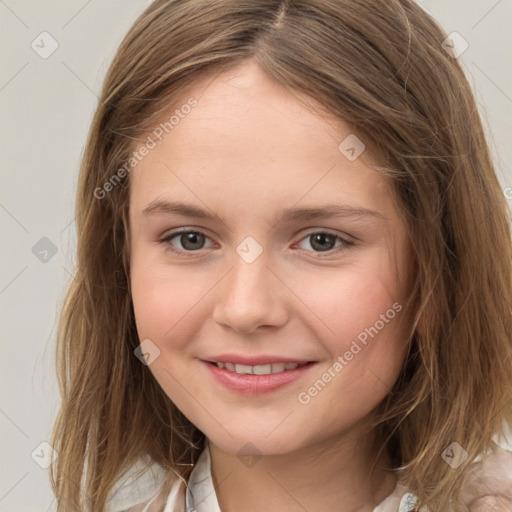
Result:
x=380 y=66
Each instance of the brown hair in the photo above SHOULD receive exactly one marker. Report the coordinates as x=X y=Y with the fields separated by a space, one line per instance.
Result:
x=378 y=65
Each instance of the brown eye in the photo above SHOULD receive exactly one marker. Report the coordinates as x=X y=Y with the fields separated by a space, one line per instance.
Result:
x=321 y=241
x=189 y=240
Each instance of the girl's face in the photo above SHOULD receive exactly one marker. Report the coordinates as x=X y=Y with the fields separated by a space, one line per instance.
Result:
x=295 y=253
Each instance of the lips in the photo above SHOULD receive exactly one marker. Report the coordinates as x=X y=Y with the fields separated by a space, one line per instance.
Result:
x=255 y=375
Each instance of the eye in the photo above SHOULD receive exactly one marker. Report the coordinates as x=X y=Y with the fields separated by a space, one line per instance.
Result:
x=324 y=241
x=190 y=240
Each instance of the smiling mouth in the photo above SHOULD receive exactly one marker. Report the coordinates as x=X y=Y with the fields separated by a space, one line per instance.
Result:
x=261 y=369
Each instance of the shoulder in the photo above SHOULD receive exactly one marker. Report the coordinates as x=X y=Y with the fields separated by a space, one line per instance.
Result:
x=488 y=482
x=164 y=500
x=146 y=488
x=175 y=500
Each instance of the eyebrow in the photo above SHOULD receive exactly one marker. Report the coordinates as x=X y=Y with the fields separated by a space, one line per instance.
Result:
x=291 y=214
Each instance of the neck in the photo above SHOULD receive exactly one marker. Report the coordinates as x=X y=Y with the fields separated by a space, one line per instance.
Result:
x=333 y=474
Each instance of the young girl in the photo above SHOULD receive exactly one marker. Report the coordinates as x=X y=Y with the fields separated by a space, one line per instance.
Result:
x=293 y=286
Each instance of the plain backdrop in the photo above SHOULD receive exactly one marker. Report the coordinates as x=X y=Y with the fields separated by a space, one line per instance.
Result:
x=46 y=108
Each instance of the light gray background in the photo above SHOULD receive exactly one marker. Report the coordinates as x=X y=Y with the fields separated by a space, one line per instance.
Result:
x=46 y=108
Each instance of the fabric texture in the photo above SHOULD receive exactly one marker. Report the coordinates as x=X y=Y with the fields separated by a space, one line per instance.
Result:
x=488 y=481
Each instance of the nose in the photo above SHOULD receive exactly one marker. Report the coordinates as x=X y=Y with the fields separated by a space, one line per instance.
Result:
x=250 y=296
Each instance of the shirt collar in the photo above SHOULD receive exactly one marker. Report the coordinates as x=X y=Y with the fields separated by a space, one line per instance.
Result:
x=201 y=496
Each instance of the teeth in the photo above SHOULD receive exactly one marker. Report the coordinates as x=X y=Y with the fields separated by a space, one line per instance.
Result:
x=242 y=368
x=261 y=369
x=279 y=367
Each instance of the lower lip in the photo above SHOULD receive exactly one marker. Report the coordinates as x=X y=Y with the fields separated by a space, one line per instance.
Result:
x=256 y=384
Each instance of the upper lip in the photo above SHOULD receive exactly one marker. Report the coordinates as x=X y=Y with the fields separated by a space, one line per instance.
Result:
x=254 y=360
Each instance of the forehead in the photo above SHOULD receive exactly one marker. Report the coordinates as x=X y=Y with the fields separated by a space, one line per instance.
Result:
x=248 y=136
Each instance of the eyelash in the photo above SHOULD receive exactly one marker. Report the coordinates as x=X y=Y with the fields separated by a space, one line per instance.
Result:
x=167 y=239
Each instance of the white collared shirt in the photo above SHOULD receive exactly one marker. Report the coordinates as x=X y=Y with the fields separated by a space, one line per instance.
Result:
x=201 y=496
x=143 y=493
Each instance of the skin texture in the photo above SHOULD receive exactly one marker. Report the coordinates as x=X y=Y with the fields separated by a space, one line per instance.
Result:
x=247 y=151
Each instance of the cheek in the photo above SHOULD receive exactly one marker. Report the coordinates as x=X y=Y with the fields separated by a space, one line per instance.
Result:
x=166 y=303
x=365 y=335
x=168 y=311
x=352 y=300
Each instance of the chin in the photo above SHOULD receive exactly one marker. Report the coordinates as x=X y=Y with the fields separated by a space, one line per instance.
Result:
x=255 y=442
